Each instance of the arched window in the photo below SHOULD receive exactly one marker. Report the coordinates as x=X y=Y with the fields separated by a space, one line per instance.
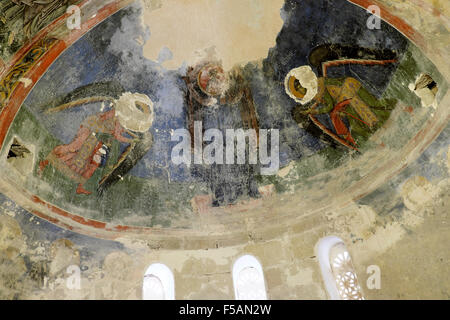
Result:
x=248 y=279
x=159 y=283
x=337 y=269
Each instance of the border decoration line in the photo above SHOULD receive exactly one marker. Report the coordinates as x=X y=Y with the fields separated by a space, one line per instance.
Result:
x=99 y=229
x=21 y=68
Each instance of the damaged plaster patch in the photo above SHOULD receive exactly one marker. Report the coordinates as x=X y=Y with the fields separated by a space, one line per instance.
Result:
x=26 y=82
x=118 y=265
x=302 y=278
x=12 y=265
x=284 y=172
x=222 y=256
x=355 y=220
x=11 y=240
x=417 y=192
x=426 y=89
x=21 y=157
x=133 y=243
x=62 y=255
x=187 y=26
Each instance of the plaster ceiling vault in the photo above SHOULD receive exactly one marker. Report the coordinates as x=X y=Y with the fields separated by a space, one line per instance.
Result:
x=88 y=113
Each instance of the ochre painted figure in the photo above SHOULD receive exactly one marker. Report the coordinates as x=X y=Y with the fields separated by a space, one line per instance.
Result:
x=208 y=86
x=90 y=148
x=222 y=100
x=353 y=111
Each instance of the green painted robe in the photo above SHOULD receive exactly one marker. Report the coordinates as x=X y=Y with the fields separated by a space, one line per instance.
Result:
x=365 y=113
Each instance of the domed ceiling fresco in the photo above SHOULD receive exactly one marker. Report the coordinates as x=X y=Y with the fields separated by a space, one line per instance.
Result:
x=130 y=121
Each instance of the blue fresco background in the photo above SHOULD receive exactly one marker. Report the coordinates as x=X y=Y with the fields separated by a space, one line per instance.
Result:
x=110 y=51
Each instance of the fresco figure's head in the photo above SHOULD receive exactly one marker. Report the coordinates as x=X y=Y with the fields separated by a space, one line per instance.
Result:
x=212 y=80
x=301 y=84
x=135 y=111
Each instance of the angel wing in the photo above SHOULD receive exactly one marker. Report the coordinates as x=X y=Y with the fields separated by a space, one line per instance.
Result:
x=104 y=91
x=94 y=92
x=129 y=158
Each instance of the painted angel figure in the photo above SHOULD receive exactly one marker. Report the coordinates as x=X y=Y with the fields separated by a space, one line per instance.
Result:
x=222 y=100
x=354 y=112
x=131 y=114
x=209 y=85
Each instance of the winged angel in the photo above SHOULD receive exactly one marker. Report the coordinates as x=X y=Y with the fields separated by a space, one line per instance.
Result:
x=127 y=122
x=342 y=108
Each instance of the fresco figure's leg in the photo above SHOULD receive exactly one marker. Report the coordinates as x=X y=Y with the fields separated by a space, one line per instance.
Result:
x=339 y=125
x=81 y=190
x=90 y=170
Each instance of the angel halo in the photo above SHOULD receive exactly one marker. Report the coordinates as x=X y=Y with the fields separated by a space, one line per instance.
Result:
x=307 y=80
x=135 y=111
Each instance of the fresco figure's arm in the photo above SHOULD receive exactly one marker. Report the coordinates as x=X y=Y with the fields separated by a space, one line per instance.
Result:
x=324 y=106
x=330 y=55
x=118 y=133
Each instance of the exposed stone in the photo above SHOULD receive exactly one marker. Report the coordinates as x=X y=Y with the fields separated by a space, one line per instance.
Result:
x=62 y=255
x=417 y=192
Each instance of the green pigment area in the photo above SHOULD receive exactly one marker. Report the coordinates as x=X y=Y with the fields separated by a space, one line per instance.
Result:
x=412 y=65
x=151 y=202
x=158 y=203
